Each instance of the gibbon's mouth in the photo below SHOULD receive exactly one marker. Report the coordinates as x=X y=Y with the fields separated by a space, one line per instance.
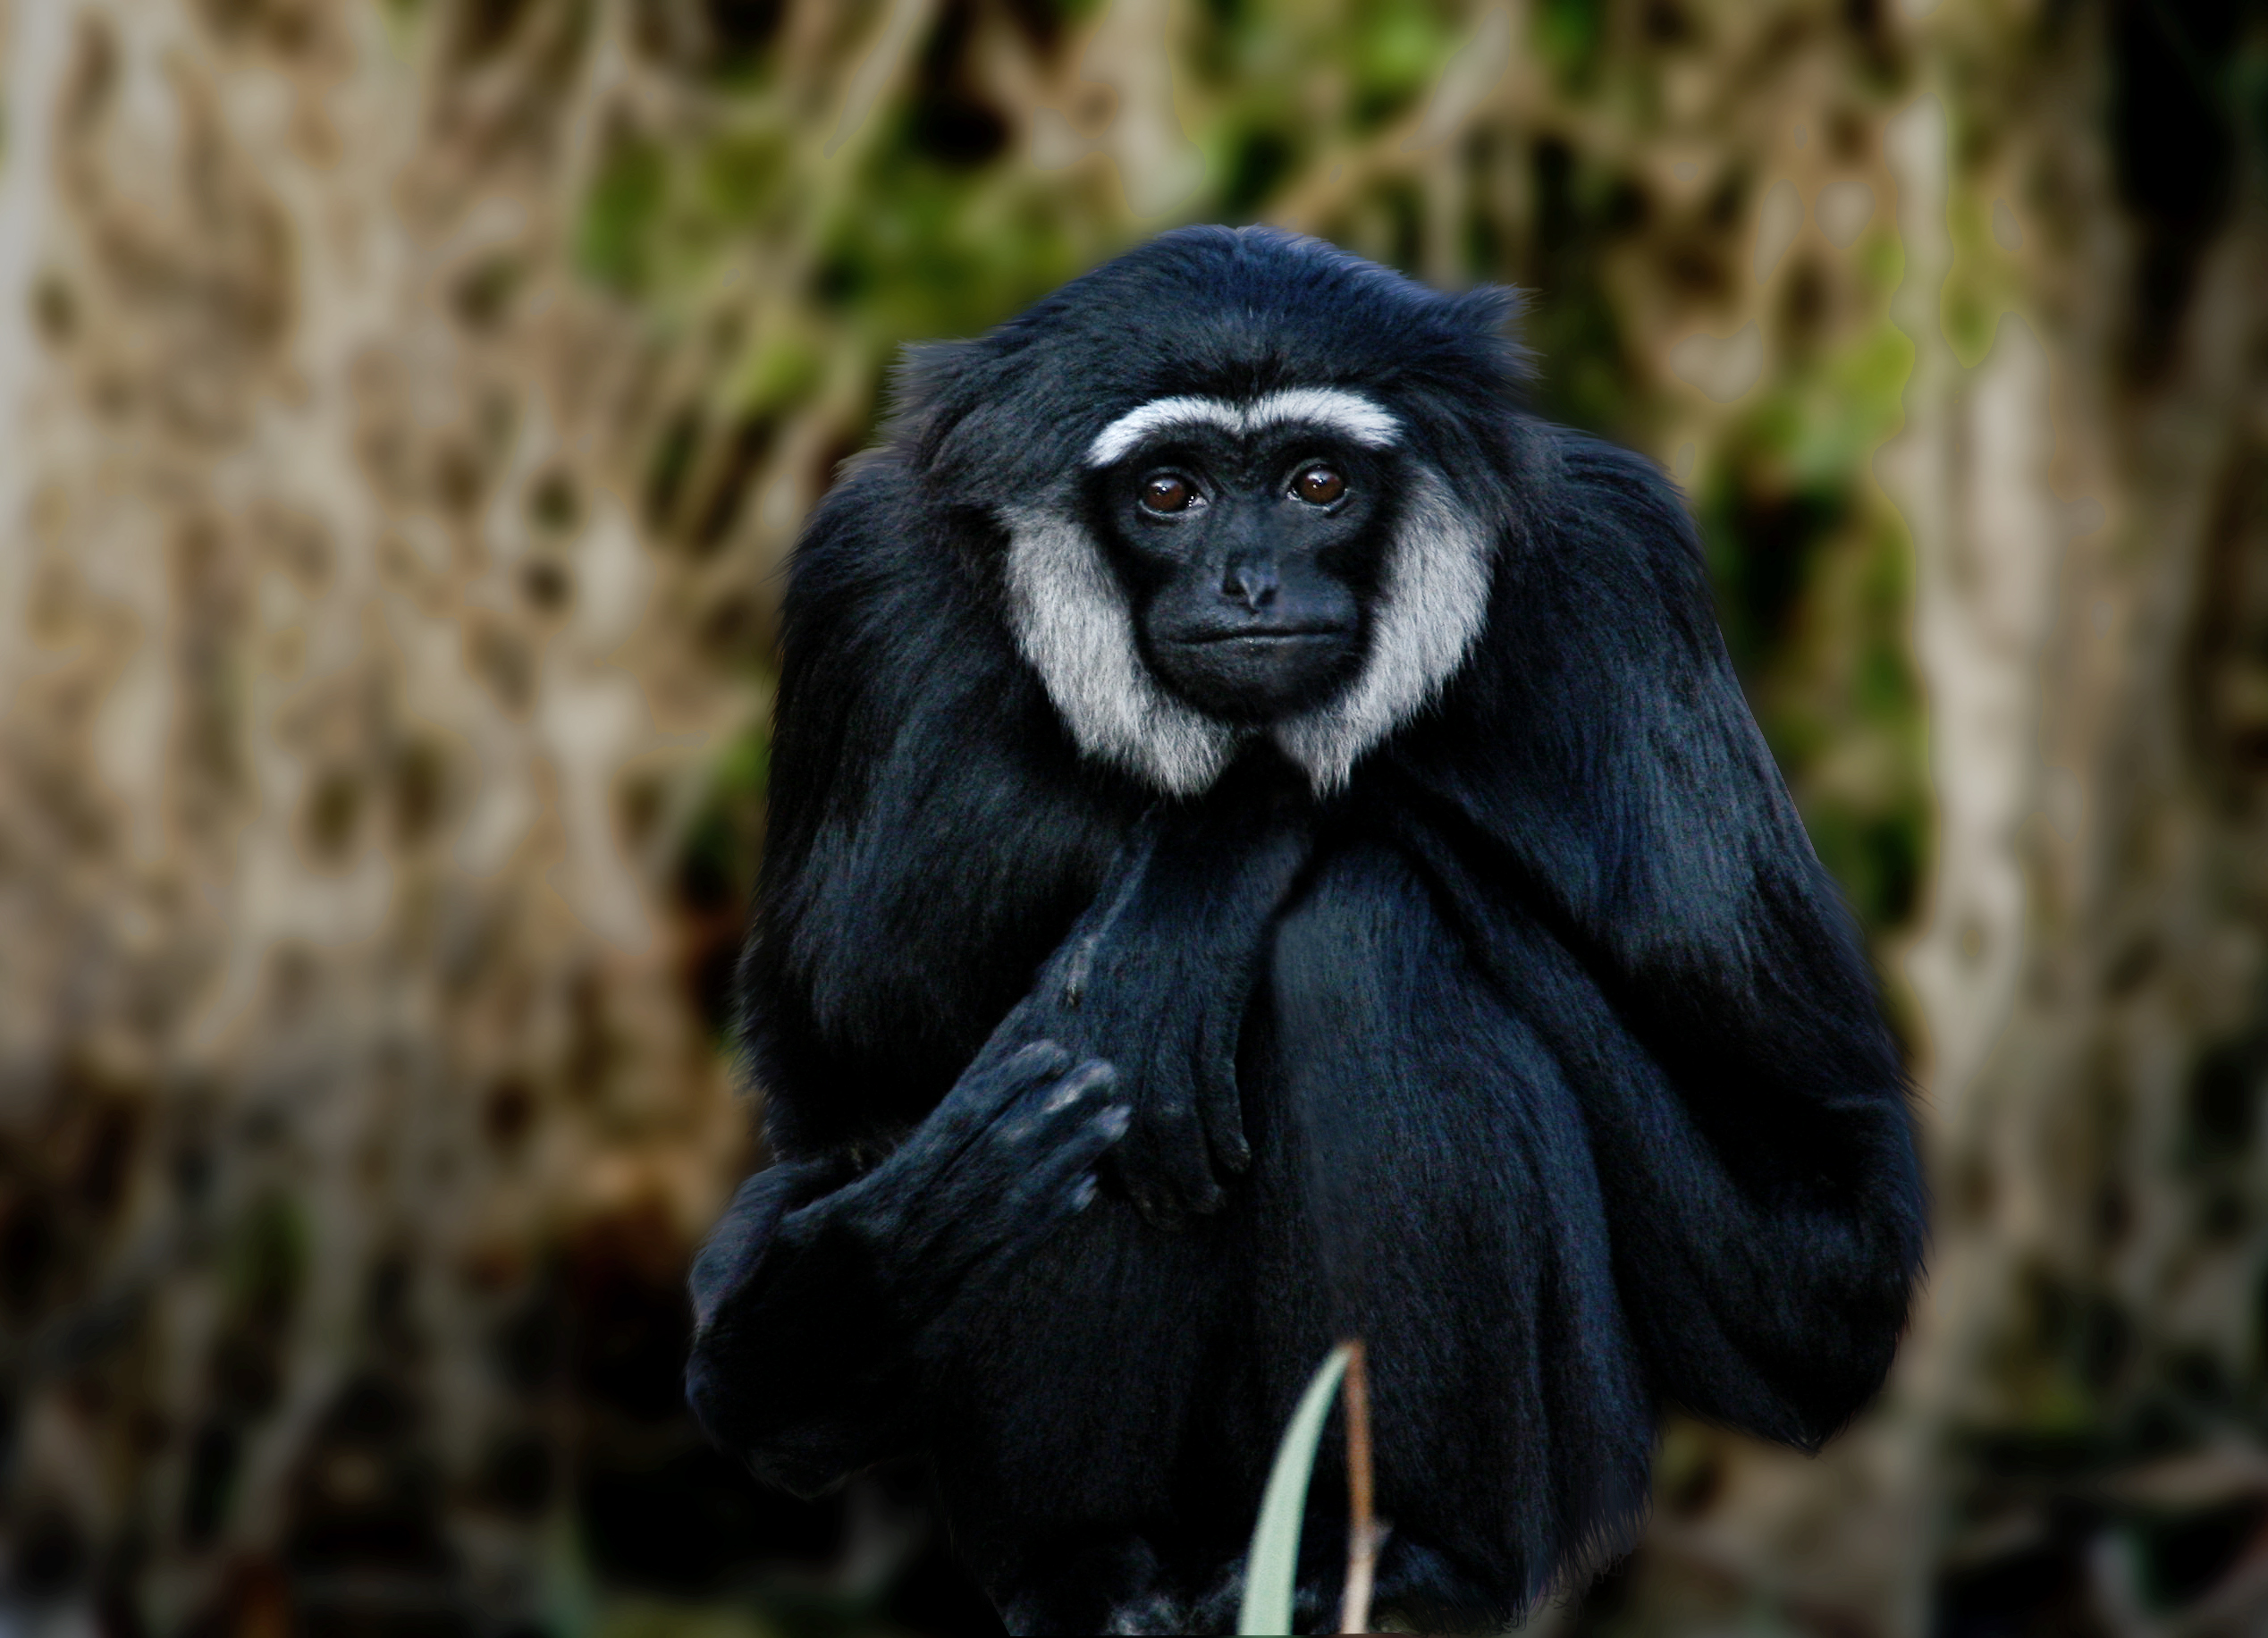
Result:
x=1258 y=673
x=1260 y=634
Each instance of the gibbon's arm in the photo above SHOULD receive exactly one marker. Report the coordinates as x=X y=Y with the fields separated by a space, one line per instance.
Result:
x=931 y=833
x=1157 y=976
x=813 y=1295
x=813 y=1298
x=784 y=1374
x=1764 y=1265
x=1627 y=855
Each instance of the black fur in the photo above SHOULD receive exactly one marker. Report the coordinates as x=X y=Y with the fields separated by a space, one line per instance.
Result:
x=1542 y=1054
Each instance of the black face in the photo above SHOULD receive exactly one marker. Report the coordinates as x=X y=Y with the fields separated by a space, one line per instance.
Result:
x=1251 y=565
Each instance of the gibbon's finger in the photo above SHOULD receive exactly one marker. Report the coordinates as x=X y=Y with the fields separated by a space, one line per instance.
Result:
x=1062 y=1183
x=1163 y=1168
x=1220 y=1109
x=1014 y=1178
x=1053 y=1108
x=983 y=1094
x=1221 y=1102
x=1050 y=1174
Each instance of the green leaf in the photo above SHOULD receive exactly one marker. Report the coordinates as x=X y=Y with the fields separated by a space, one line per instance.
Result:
x=1272 y=1569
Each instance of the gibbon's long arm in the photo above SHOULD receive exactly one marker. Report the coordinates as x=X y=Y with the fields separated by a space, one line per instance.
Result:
x=814 y=1296
x=1628 y=863
x=925 y=804
x=1158 y=975
x=820 y=1285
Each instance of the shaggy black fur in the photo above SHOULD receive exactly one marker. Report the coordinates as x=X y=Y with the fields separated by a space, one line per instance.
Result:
x=1541 y=1052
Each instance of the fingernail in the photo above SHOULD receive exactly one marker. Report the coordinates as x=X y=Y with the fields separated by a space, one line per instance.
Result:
x=1083 y=1193
x=1116 y=1120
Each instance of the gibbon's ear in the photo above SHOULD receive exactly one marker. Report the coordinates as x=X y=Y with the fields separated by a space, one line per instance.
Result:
x=921 y=383
x=1495 y=311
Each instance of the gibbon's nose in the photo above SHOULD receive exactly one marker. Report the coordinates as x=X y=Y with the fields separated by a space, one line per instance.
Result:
x=1250 y=583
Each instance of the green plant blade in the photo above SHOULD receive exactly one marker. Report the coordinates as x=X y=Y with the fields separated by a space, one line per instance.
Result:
x=1272 y=1569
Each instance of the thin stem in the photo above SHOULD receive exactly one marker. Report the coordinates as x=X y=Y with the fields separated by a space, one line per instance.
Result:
x=1363 y=1534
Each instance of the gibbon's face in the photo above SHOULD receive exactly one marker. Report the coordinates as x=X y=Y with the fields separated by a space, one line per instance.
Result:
x=1249 y=568
x=1223 y=568
x=1249 y=558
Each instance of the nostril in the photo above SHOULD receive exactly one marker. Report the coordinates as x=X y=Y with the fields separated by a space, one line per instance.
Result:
x=1252 y=586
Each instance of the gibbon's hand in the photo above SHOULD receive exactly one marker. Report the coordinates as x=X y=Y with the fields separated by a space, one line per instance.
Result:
x=1156 y=977
x=1006 y=1158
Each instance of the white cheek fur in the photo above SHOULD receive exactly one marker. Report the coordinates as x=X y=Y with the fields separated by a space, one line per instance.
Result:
x=1074 y=628
x=1431 y=607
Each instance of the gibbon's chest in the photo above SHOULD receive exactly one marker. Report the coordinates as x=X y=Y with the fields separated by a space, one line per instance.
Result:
x=1404 y=1163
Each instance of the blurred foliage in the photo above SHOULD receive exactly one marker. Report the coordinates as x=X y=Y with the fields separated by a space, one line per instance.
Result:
x=418 y=401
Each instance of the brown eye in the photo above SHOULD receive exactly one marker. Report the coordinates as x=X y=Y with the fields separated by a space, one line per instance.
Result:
x=1167 y=494
x=1318 y=486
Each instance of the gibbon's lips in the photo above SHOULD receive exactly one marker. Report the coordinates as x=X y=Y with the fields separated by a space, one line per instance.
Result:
x=1256 y=674
x=1258 y=633
x=1290 y=615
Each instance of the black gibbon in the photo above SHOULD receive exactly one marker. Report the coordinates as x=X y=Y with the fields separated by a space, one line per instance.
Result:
x=1266 y=845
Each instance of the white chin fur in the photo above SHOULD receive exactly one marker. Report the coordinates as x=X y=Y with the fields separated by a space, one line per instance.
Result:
x=1072 y=625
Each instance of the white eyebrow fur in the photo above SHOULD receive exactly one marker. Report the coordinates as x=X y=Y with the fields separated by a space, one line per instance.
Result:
x=1349 y=414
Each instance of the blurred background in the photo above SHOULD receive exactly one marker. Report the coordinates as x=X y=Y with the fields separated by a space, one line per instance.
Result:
x=405 y=408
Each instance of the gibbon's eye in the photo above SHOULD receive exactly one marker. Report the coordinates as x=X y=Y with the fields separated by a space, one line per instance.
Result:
x=1318 y=486
x=1167 y=493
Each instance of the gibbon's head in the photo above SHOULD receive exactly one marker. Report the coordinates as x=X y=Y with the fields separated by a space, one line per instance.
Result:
x=1245 y=482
